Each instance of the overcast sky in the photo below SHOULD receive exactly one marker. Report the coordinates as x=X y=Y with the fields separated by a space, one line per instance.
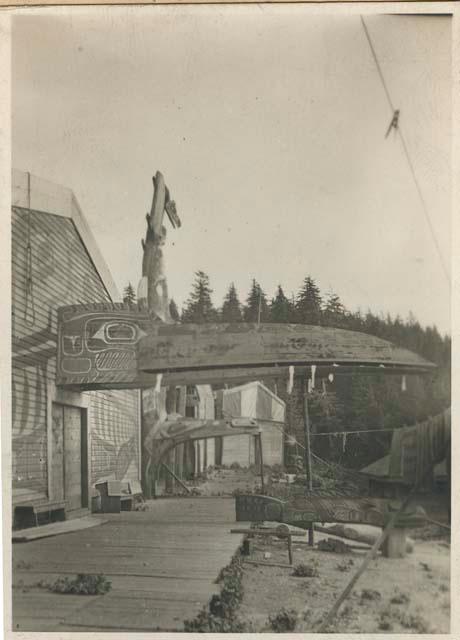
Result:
x=268 y=124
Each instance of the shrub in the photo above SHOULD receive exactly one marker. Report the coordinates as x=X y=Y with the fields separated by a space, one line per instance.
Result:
x=206 y=622
x=406 y=620
x=333 y=545
x=345 y=565
x=417 y=622
x=220 y=614
x=305 y=571
x=385 y=623
x=235 y=568
x=284 y=620
x=370 y=594
x=400 y=598
x=83 y=584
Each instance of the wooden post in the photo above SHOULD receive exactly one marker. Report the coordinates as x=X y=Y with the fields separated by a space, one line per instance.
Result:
x=145 y=456
x=289 y=541
x=308 y=470
x=395 y=544
x=261 y=463
x=372 y=552
x=170 y=406
x=306 y=424
x=171 y=472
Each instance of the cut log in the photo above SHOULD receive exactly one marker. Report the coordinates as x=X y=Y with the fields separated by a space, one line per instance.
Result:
x=348 y=533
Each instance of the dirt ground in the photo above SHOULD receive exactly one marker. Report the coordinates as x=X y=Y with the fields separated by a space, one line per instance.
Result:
x=419 y=586
x=225 y=482
x=410 y=595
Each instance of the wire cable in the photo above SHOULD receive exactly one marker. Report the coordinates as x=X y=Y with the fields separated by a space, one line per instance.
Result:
x=406 y=153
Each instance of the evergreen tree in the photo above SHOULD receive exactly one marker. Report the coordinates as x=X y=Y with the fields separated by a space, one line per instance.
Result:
x=231 y=308
x=173 y=310
x=129 y=296
x=199 y=307
x=309 y=303
x=280 y=308
x=255 y=302
x=334 y=312
x=372 y=324
x=355 y=321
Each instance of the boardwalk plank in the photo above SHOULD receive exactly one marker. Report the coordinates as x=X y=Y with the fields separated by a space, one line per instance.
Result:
x=162 y=563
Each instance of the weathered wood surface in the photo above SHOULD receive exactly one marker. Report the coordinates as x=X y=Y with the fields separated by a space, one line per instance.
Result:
x=63 y=273
x=238 y=375
x=153 y=284
x=116 y=346
x=307 y=509
x=57 y=528
x=162 y=564
x=221 y=345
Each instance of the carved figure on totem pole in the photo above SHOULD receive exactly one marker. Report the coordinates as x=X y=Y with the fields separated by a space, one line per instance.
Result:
x=152 y=292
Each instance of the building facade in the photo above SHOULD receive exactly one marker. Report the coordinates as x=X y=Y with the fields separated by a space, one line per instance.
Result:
x=63 y=442
x=252 y=400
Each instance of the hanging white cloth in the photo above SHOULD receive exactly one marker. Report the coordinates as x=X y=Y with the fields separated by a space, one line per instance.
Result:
x=403 y=384
x=313 y=373
x=330 y=377
x=290 y=384
x=158 y=382
x=309 y=386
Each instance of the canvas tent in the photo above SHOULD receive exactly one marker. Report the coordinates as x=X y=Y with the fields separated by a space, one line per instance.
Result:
x=252 y=400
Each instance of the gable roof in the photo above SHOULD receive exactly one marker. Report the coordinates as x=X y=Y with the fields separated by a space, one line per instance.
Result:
x=260 y=387
x=32 y=192
x=379 y=468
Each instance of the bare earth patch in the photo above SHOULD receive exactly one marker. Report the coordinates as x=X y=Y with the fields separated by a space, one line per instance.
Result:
x=409 y=595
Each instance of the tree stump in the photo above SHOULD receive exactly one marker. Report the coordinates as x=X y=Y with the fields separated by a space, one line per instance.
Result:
x=395 y=544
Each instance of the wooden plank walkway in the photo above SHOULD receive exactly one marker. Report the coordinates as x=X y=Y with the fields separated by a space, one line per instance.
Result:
x=57 y=528
x=162 y=563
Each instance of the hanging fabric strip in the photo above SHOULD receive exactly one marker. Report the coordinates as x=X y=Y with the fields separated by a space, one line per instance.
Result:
x=309 y=385
x=403 y=384
x=330 y=377
x=158 y=382
x=313 y=373
x=290 y=384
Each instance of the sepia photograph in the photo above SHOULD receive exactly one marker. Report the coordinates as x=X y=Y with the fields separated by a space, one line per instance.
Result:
x=230 y=320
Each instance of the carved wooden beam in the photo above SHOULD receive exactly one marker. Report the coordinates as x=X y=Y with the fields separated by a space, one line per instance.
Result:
x=213 y=346
x=116 y=346
x=302 y=510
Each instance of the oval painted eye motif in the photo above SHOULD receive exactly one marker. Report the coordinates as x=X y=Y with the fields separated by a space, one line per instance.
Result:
x=120 y=332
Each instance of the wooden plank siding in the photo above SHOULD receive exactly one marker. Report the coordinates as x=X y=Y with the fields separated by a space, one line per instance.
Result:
x=62 y=273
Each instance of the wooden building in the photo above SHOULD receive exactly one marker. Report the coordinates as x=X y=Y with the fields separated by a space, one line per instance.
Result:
x=419 y=454
x=62 y=442
x=252 y=400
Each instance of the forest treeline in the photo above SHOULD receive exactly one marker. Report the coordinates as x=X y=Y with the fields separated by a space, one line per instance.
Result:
x=365 y=403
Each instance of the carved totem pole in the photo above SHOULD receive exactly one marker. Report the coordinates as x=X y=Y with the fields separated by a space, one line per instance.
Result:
x=152 y=292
